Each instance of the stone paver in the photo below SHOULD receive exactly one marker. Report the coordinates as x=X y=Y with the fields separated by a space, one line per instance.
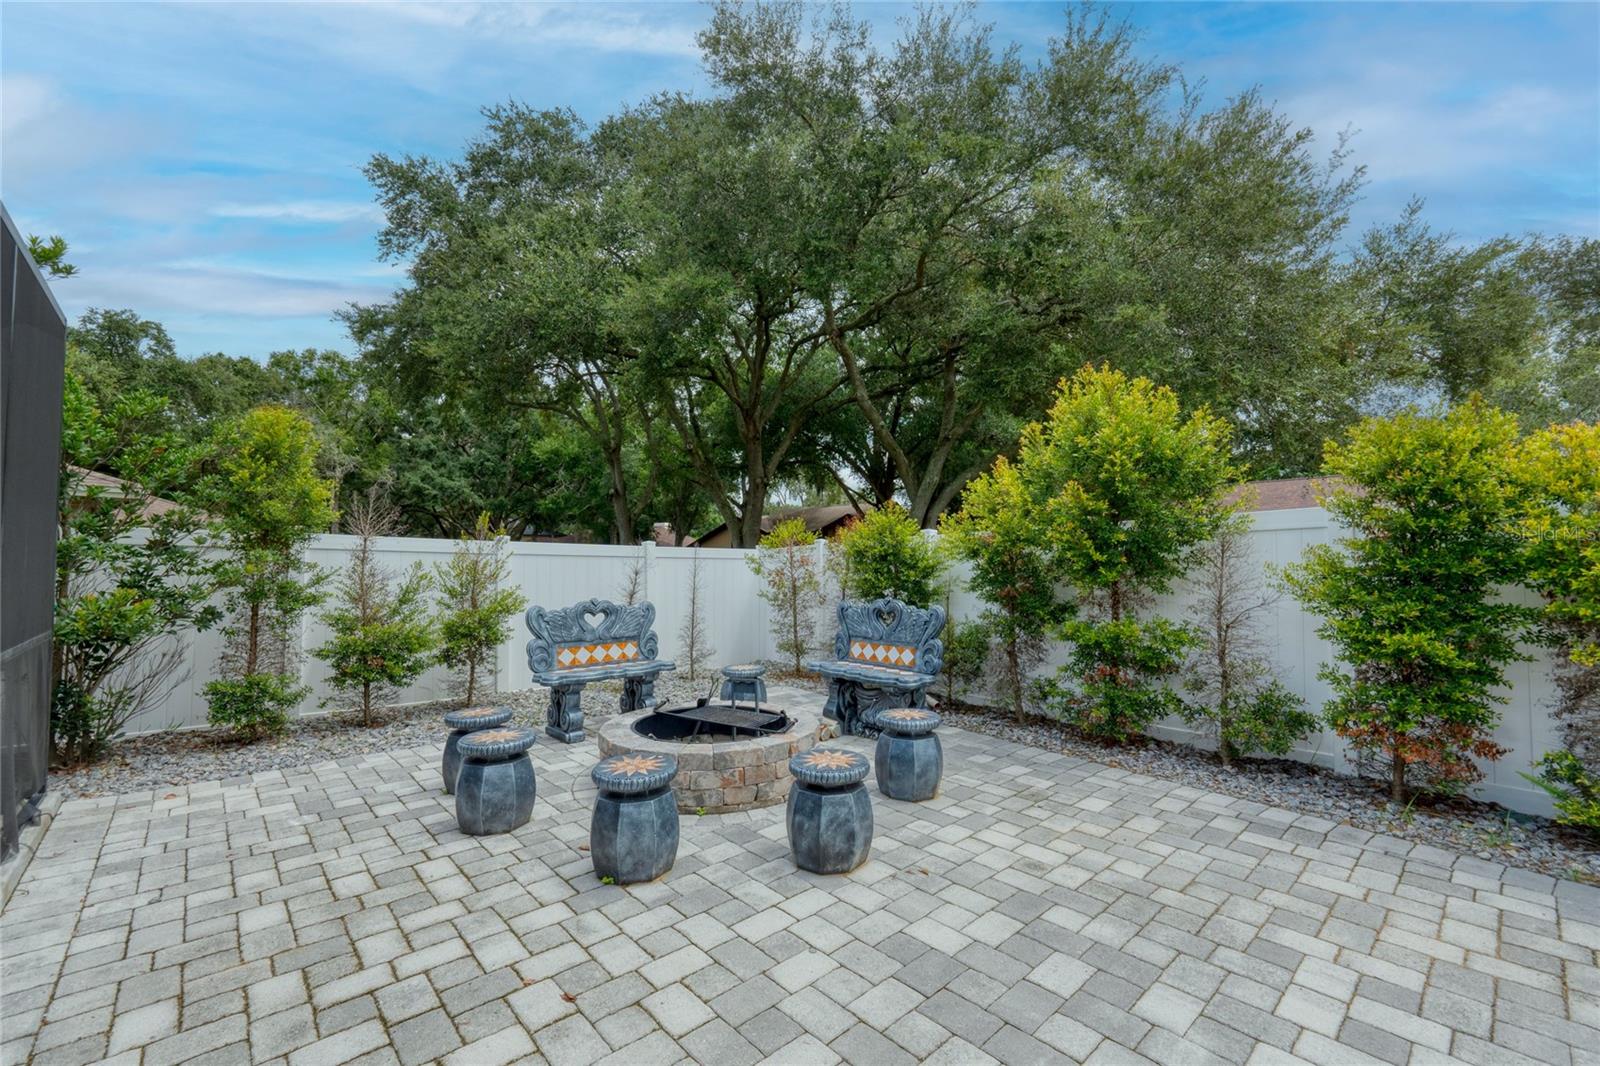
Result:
x=1043 y=908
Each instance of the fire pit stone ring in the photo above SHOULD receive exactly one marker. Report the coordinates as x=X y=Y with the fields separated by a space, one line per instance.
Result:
x=719 y=774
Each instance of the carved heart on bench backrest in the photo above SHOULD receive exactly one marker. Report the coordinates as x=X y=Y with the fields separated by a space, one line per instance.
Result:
x=888 y=617
x=592 y=619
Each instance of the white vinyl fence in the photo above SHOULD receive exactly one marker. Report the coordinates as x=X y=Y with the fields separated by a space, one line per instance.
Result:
x=736 y=619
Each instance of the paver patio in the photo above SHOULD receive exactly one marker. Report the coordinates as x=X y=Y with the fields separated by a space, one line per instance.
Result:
x=1043 y=908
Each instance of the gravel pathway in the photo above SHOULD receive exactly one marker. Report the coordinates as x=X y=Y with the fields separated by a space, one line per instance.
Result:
x=1485 y=830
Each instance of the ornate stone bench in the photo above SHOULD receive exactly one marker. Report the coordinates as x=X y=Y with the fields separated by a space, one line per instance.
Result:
x=596 y=640
x=885 y=655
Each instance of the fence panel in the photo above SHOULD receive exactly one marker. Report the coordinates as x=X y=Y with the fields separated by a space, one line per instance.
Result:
x=737 y=627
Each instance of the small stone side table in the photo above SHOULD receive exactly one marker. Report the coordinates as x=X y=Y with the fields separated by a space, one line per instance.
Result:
x=743 y=683
x=830 y=813
x=633 y=834
x=460 y=723
x=495 y=789
x=909 y=758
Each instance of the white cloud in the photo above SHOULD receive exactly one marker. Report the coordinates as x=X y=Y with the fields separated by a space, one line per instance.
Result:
x=161 y=289
x=330 y=211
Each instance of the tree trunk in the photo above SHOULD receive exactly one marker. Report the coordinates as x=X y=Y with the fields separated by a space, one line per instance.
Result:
x=1015 y=670
x=252 y=638
x=472 y=676
x=366 y=704
x=1397 y=773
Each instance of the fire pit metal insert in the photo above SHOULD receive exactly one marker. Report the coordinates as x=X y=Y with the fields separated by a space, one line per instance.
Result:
x=713 y=718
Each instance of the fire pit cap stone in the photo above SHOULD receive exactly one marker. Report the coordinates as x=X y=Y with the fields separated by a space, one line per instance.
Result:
x=470 y=718
x=907 y=721
x=501 y=742
x=829 y=767
x=632 y=773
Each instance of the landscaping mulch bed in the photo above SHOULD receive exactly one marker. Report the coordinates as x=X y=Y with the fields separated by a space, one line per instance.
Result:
x=1485 y=830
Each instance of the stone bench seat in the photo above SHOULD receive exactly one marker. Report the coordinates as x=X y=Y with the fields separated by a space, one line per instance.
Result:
x=595 y=640
x=886 y=654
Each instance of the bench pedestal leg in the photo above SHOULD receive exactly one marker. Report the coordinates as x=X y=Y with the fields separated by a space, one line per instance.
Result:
x=638 y=694
x=564 y=718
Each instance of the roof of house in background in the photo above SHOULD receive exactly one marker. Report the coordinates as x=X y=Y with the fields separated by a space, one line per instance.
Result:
x=1280 y=494
x=116 y=488
x=817 y=520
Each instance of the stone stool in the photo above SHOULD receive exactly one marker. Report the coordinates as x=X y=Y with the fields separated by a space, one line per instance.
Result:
x=495 y=789
x=909 y=759
x=743 y=683
x=830 y=813
x=633 y=835
x=461 y=723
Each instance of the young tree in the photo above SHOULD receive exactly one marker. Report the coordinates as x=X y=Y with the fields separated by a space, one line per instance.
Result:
x=1126 y=489
x=1410 y=601
x=887 y=554
x=474 y=611
x=1241 y=703
x=786 y=562
x=267 y=503
x=694 y=643
x=1011 y=570
x=50 y=255
x=130 y=570
x=1560 y=467
x=381 y=638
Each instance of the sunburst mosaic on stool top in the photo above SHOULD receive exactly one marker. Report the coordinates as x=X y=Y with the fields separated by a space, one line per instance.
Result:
x=478 y=712
x=829 y=759
x=634 y=764
x=906 y=714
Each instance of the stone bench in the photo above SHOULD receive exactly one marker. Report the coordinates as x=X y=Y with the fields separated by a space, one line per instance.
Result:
x=596 y=640
x=886 y=654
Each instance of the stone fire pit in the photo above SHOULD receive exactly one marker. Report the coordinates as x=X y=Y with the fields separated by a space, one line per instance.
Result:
x=721 y=774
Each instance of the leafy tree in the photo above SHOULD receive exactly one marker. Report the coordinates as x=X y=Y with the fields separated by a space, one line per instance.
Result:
x=382 y=639
x=1011 y=570
x=50 y=255
x=267 y=502
x=1410 y=600
x=474 y=610
x=520 y=254
x=966 y=652
x=786 y=562
x=1560 y=522
x=131 y=573
x=1241 y=702
x=887 y=555
x=1125 y=490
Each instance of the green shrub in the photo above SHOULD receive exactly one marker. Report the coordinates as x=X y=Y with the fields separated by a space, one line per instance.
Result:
x=474 y=610
x=1575 y=790
x=1411 y=601
x=1268 y=718
x=966 y=651
x=887 y=554
x=791 y=583
x=1117 y=681
x=1236 y=698
x=255 y=705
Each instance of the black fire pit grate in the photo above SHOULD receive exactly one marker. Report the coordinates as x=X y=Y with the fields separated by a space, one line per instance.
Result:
x=714 y=717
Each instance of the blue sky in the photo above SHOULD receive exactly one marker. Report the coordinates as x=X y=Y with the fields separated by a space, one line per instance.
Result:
x=204 y=160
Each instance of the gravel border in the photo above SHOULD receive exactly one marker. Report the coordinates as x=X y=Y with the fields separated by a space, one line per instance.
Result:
x=1485 y=830
x=156 y=761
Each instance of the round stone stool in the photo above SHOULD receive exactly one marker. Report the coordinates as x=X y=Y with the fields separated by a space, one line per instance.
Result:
x=743 y=683
x=909 y=759
x=830 y=813
x=495 y=789
x=633 y=835
x=460 y=724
